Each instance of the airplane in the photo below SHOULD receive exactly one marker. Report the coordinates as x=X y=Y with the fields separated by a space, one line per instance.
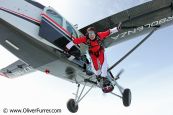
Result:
x=37 y=35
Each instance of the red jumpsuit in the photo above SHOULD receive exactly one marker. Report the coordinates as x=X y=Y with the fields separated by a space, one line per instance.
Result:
x=95 y=50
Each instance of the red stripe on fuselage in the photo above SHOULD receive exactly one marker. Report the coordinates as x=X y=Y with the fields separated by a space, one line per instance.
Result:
x=37 y=21
x=30 y=18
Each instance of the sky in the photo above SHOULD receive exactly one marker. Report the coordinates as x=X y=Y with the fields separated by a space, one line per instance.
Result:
x=148 y=71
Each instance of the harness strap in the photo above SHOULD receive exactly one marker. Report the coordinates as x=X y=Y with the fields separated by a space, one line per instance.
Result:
x=99 y=43
x=98 y=40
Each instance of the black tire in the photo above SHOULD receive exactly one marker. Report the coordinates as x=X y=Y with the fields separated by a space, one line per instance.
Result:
x=127 y=97
x=71 y=106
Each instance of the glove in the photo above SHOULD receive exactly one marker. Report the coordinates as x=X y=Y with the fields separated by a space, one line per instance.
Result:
x=116 y=29
x=119 y=26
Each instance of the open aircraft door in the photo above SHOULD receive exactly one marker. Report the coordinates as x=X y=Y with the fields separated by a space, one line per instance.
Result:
x=53 y=29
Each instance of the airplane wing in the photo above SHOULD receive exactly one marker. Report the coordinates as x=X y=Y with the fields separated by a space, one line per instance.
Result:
x=136 y=21
x=16 y=69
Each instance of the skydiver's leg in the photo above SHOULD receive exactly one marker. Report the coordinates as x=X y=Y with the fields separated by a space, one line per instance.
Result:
x=107 y=86
x=103 y=62
x=104 y=68
x=95 y=65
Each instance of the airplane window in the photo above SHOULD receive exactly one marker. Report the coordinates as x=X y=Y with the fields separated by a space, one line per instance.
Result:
x=55 y=16
x=71 y=29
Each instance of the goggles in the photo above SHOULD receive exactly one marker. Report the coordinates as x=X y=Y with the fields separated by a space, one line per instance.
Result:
x=91 y=33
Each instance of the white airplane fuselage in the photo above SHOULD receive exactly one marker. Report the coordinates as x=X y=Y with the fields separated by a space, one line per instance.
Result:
x=22 y=19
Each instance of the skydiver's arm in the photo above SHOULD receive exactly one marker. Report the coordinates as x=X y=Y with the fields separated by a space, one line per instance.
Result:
x=107 y=33
x=76 y=41
x=103 y=35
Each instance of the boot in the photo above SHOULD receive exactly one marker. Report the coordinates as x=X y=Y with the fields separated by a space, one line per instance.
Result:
x=107 y=86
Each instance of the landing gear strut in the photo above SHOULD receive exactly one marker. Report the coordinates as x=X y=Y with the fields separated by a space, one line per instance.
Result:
x=126 y=97
x=126 y=93
x=72 y=104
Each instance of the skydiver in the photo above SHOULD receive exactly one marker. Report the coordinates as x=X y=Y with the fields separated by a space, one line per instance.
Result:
x=96 y=51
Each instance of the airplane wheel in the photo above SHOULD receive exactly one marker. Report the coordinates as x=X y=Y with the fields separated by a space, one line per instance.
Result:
x=71 y=106
x=127 y=97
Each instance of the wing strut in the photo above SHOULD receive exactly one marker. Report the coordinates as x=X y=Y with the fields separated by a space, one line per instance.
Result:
x=133 y=49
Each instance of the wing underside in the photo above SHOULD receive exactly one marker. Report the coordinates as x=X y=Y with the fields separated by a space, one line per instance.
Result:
x=136 y=21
